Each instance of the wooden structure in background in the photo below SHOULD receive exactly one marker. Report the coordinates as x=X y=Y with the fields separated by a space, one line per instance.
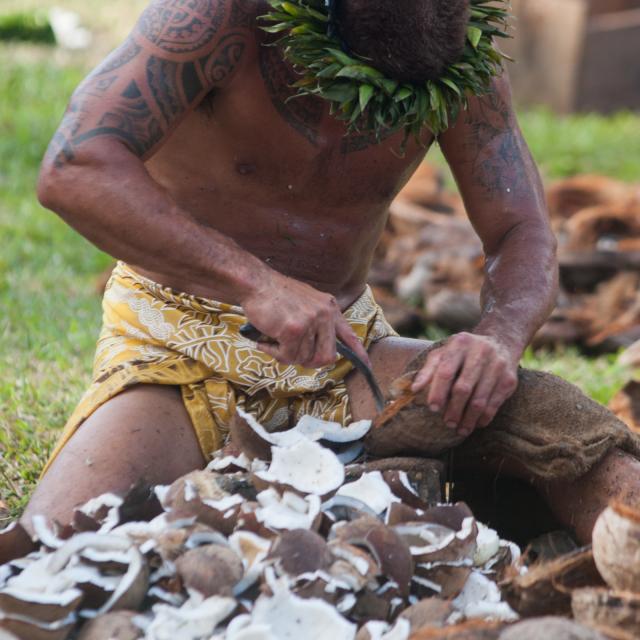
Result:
x=576 y=55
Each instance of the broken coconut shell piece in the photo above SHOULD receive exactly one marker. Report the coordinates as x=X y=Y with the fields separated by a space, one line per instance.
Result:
x=200 y=495
x=379 y=630
x=300 y=551
x=212 y=570
x=15 y=543
x=306 y=467
x=277 y=512
x=471 y=630
x=388 y=548
x=611 y=612
x=288 y=617
x=616 y=547
x=550 y=628
x=194 y=620
x=545 y=588
x=372 y=490
x=118 y=625
x=27 y=628
x=255 y=441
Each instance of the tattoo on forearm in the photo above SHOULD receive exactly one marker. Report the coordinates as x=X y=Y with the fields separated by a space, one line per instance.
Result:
x=181 y=26
x=495 y=147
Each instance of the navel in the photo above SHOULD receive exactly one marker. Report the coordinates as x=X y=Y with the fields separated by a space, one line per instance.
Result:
x=245 y=168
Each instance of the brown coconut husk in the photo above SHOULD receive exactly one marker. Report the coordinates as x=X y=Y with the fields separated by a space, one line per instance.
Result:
x=569 y=195
x=549 y=427
x=472 y=630
x=626 y=405
x=550 y=628
x=546 y=588
x=587 y=226
x=615 y=613
x=118 y=625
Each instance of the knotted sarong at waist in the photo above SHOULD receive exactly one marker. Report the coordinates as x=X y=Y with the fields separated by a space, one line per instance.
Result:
x=155 y=335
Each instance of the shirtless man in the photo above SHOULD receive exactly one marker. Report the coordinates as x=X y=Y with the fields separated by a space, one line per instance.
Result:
x=181 y=156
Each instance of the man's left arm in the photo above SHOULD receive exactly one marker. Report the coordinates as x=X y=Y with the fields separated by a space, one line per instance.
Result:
x=475 y=373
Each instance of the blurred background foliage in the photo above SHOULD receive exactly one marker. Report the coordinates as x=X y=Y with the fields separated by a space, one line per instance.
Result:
x=49 y=305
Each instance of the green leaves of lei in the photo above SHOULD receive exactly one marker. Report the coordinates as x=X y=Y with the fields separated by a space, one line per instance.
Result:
x=366 y=99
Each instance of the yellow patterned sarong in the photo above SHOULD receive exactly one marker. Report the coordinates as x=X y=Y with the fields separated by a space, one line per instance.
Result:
x=154 y=335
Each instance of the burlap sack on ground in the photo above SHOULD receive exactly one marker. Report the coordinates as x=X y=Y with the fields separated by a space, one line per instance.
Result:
x=548 y=426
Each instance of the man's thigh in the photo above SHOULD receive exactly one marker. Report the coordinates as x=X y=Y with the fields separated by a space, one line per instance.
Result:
x=144 y=433
x=389 y=358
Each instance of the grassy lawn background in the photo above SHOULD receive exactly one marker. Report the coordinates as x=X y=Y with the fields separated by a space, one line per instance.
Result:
x=49 y=309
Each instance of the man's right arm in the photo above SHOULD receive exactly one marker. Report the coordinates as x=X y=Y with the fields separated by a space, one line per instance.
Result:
x=94 y=177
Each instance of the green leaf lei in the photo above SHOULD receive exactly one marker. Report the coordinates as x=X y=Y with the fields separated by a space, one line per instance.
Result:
x=366 y=99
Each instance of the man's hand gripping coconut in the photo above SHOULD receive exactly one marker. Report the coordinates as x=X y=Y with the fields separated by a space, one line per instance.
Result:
x=185 y=155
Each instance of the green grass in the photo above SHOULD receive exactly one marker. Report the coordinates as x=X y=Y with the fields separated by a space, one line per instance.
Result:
x=49 y=310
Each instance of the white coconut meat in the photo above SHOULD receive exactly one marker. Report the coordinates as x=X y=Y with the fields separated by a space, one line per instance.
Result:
x=481 y=598
x=253 y=549
x=194 y=620
x=487 y=545
x=223 y=464
x=289 y=617
x=372 y=490
x=306 y=466
x=278 y=439
x=105 y=510
x=287 y=511
x=379 y=630
x=316 y=429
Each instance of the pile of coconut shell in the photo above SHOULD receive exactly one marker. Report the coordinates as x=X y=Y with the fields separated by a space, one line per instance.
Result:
x=429 y=266
x=285 y=536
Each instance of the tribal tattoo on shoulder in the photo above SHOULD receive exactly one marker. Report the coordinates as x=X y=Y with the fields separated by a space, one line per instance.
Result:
x=496 y=147
x=138 y=94
x=181 y=26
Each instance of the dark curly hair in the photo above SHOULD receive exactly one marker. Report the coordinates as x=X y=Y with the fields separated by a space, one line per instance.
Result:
x=408 y=40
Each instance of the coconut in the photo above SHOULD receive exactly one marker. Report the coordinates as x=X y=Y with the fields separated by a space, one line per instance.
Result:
x=432 y=612
x=390 y=551
x=379 y=630
x=549 y=628
x=200 y=495
x=287 y=510
x=353 y=566
x=609 y=611
x=286 y=616
x=616 y=547
x=15 y=543
x=525 y=428
x=5 y=635
x=212 y=570
x=306 y=467
x=545 y=588
x=424 y=475
x=300 y=551
x=196 y=619
x=442 y=545
x=250 y=437
x=372 y=490
x=401 y=487
x=27 y=628
x=253 y=550
x=119 y=625
x=481 y=598
x=472 y=630
x=99 y=514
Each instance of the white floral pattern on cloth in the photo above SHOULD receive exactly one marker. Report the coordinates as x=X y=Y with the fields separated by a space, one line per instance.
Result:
x=154 y=335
